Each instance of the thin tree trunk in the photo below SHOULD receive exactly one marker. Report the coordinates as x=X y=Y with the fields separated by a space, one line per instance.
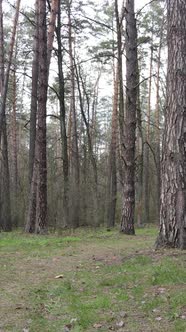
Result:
x=33 y=107
x=139 y=190
x=2 y=69
x=128 y=148
x=112 y=172
x=6 y=208
x=157 y=121
x=1 y=91
x=64 y=143
x=33 y=162
x=14 y=137
x=5 y=202
x=74 y=165
x=7 y=74
x=146 y=148
x=173 y=168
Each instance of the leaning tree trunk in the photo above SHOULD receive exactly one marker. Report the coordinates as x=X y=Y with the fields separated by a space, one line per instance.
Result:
x=128 y=148
x=173 y=189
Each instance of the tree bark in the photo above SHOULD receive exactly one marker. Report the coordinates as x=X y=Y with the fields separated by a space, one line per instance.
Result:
x=112 y=173
x=140 y=152
x=74 y=164
x=7 y=74
x=64 y=143
x=41 y=210
x=173 y=168
x=33 y=164
x=5 y=202
x=146 y=147
x=128 y=148
x=33 y=107
x=157 y=120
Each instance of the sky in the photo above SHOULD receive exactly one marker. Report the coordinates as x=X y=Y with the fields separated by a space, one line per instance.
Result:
x=30 y=3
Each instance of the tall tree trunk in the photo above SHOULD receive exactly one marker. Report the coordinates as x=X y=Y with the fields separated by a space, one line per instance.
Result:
x=139 y=189
x=6 y=206
x=128 y=148
x=5 y=202
x=173 y=188
x=33 y=107
x=74 y=165
x=112 y=171
x=146 y=148
x=14 y=136
x=2 y=69
x=7 y=74
x=41 y=210
x=39 y=172
x=1 y=90
x=64 y=143
x=14 y=148
x=33 y=164
x=119 y=26
x=157 y=120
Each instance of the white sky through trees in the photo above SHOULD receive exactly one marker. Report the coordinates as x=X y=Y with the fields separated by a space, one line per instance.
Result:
x=30 y=3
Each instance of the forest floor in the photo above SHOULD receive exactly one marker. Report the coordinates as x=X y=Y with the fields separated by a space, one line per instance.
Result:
x=90 y=280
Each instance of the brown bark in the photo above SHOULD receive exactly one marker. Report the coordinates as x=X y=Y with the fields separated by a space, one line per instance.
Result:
x=112 y=172
x=173 y=168
x=128 y=148
x=14 y=136
x=2 y=69
x=146 y=147
x=33 y=106
x=1 y=90
x=140 y=150
x=64 y=143
x=7 y=74
x=157 y=120
x=5 y=203
x=33 y=165
x=119 y=26
x=6 y=206
x=41 y=210
x=51 y=29
x=74 y=164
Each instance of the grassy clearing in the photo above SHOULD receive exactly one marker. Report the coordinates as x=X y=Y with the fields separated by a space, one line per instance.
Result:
x=110 y=282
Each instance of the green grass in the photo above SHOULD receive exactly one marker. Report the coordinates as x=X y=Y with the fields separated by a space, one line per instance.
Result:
x=104 y=274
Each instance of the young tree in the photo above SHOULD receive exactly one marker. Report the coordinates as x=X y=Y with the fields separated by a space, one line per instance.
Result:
x=173 y=189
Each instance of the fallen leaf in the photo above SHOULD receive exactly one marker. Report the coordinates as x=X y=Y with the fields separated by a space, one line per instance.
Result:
x=97 y=326
x=67 y=327
x=123 y=314
x=73 y=320
x=158 y=319
x=120 y=324
x=60 y=276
